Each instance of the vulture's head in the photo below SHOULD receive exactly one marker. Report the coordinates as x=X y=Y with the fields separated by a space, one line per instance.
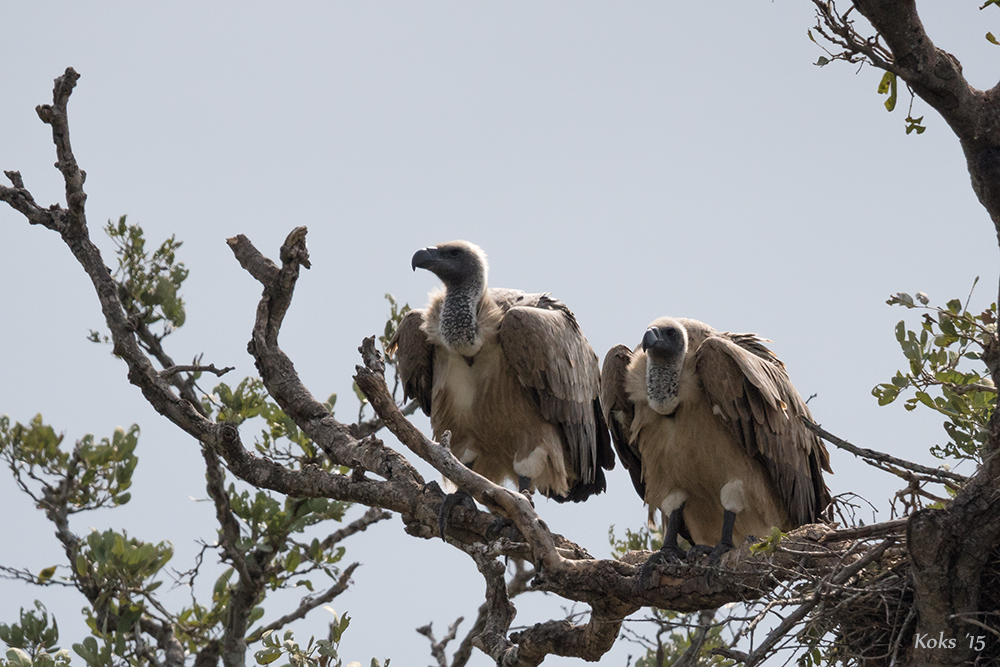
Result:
x=665 y=344
x=457 y=263
x=665 y=340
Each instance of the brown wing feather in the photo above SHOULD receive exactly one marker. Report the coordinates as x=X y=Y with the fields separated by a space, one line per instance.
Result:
x=542 y=342
x=414 y=354
x=619 y=412
x=763 y=411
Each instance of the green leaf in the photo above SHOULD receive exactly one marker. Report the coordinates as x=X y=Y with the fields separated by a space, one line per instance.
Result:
x=337 y=630
x=822 y=61
x=221 y=583
x=991 y=39
x=914 y=124
x=925 y=398
x=888 y=86
x=901 y=331
x=267 y=656
x=128 y=617
x=885 y=393
x=293 y=560
x=18 y=658
x=360 y=394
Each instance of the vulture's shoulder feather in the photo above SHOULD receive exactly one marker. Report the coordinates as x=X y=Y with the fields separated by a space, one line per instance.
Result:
x=619 y=411
x=764 y=411
x=545 y=348
x=414 y=355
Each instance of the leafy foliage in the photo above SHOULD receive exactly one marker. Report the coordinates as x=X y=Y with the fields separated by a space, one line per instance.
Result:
x=151 y=282
x=676 y=631
x=148 y=283
x=316 y=653
x=675 y=638
x=33 y=634
x=644 y=539
x=33 y=641
x=94 y=474
x=269 y=543
x=396 y=314
x=939 y=352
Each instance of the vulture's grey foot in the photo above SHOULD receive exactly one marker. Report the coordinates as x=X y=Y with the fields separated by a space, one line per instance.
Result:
x=697 y=551
x=523 y=484
x=524 y=488
x=725 y=541
x=501 y=526
x=725 y=544
x=669 y=553
x=433 y=487
x=715 y=555
x=460 y=497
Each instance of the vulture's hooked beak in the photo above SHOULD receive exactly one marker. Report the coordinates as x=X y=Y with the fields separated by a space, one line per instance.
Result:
x=667 y=341
x=650 y=338
x=423 y=258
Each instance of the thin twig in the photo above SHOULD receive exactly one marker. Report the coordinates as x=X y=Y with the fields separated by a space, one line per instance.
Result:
x=308 y=604
x=195 y=368
x=880 y=456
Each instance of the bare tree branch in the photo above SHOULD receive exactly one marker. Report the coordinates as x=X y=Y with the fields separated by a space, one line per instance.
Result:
x=373 y=515
x=195 y=368
x=438 y=646
x=870 y=456
x=308 y=604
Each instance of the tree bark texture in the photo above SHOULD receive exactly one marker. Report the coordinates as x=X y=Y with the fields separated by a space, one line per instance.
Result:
x=948 y=547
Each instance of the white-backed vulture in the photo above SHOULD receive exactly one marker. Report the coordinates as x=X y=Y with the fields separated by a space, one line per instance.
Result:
x=509 y=374
x=709 y=427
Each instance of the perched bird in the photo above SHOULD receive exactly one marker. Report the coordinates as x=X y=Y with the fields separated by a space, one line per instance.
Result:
x=509 y=374
x=709 y=427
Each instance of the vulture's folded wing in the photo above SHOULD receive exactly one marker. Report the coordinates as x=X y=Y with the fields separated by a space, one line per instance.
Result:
x=552 y=358
x=763 y=410
x=619 y=412
x=414 y=355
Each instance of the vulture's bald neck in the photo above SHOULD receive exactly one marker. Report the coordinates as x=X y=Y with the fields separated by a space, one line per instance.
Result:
x=459 y=314
x=663 y=382
x=665 y=345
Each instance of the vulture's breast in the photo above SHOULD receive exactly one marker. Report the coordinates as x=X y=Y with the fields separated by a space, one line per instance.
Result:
x=491 y=415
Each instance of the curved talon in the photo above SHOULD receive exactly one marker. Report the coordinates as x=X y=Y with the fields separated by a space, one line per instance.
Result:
x=716 y=554
x=697 y=551
x=448 y=504
x=666 y=554
x=525 y=489
x=501 y=526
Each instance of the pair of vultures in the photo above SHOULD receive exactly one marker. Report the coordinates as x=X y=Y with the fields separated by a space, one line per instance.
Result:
x=706 y=422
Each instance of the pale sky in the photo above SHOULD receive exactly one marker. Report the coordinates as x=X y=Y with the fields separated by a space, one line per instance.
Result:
x=635 y=159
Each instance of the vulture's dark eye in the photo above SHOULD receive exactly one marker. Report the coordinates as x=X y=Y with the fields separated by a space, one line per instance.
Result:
x=670 y=333
x=455 y=253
